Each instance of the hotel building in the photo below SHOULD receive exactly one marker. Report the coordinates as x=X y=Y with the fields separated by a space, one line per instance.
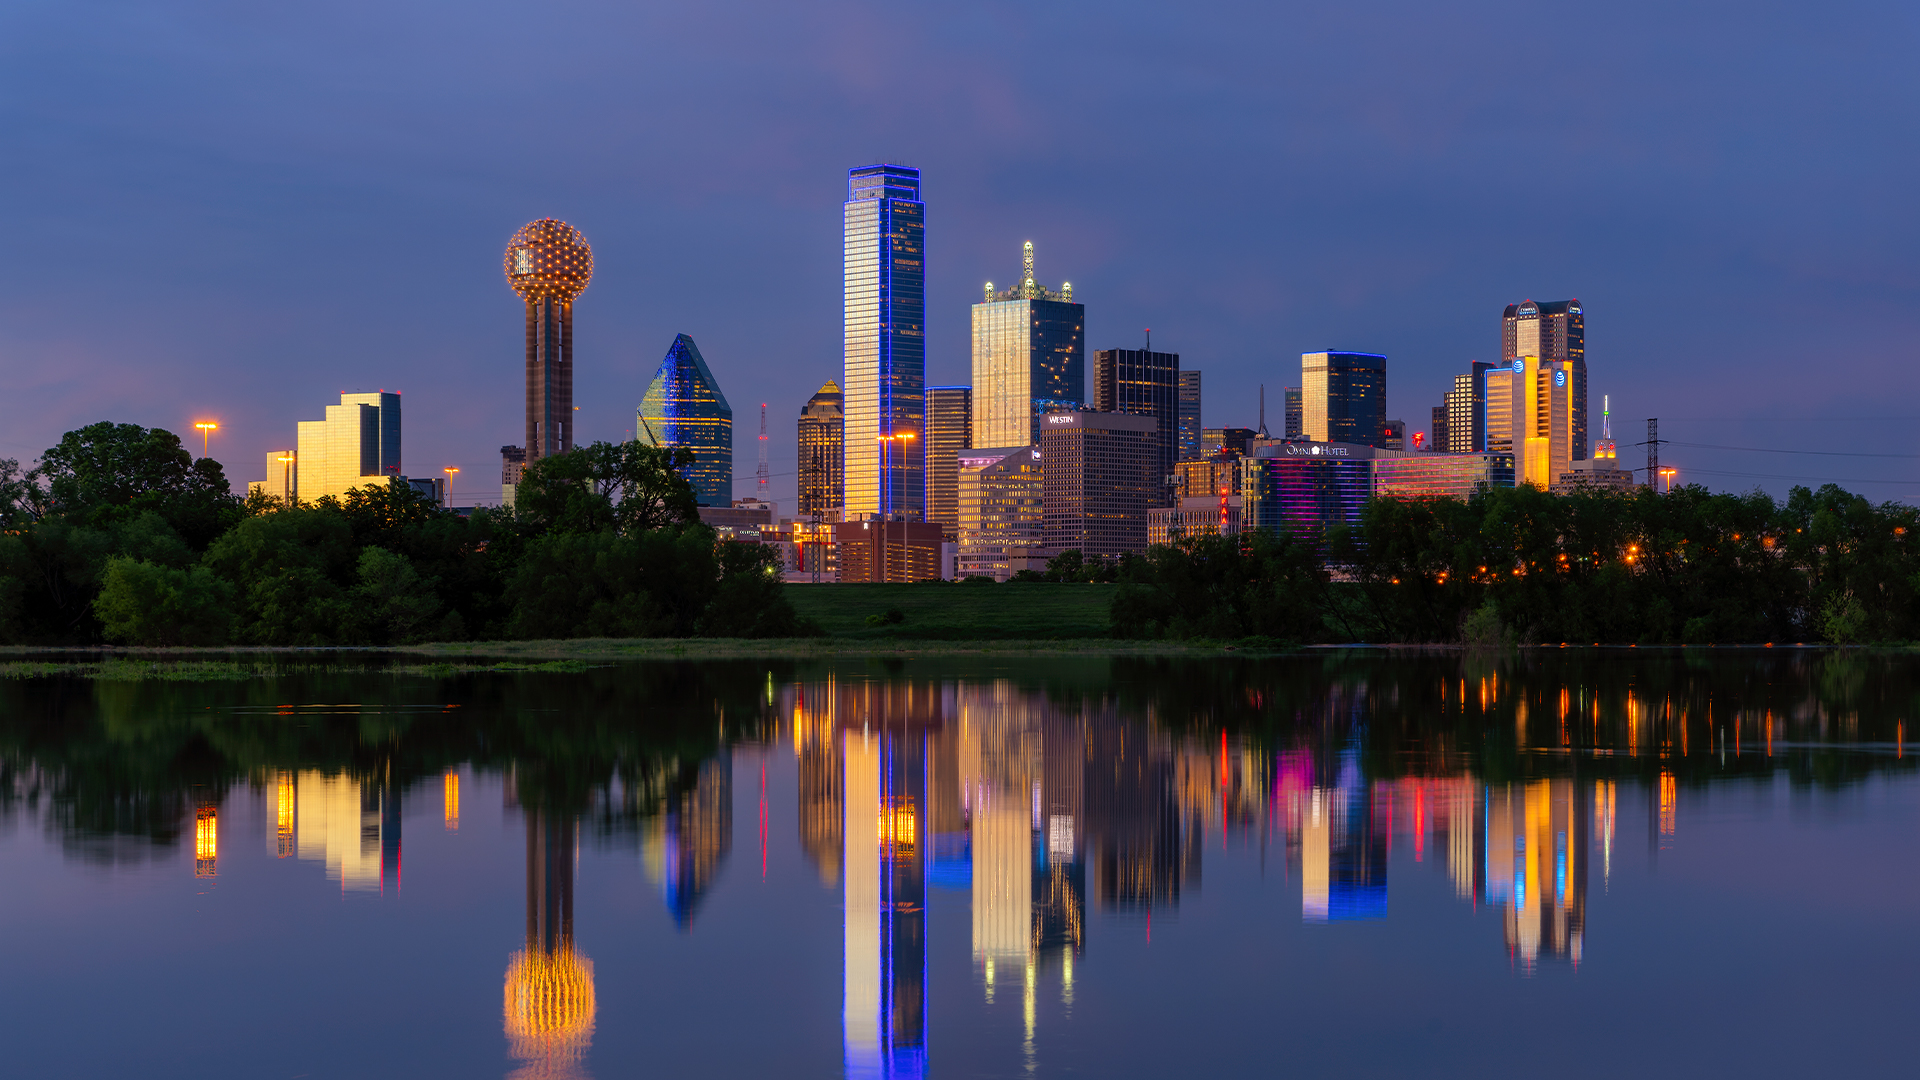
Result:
x=1097 y=481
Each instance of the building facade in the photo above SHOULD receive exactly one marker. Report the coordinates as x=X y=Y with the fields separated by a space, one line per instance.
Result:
x=1465 y=409
x=1190 y=418
x=1097 y=477
x=871 y=551
x=282 y=480
x=1029 y=358
x=357 y=444
x=1291 y=427
x=1207 y=500
x=884 y=342
x=684 y=409
x=822 y=441
x=1303 y=487
x=1553 y=331
x=1343 y=397
x=1233 y=440
x=1139 y=382
x=1530 y=415
x=949 y=431
x=1000 y=504
x=549 y=264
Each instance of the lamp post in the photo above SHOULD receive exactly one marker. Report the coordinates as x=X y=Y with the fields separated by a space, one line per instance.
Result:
x=207 y=428
x=1667 y=473
x=446 y=495
x=286 y=477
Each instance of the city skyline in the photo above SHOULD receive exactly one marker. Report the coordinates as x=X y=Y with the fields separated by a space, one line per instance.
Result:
x=189 y=173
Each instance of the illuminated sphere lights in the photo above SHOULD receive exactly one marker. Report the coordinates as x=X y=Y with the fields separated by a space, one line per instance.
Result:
x=549 y=258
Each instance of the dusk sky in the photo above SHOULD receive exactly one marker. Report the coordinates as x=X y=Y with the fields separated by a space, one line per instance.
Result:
x=237 y=211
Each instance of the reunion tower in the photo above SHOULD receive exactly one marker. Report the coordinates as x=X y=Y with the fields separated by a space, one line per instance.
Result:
x=549 y=264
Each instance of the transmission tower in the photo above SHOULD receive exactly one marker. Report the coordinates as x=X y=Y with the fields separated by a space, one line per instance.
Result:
x=763 y=453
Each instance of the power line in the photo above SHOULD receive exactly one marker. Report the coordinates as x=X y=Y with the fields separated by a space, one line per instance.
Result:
x=1773 y=450
x=1803 y=479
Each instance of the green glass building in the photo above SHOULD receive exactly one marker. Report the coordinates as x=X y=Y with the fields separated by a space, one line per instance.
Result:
x=685 y=408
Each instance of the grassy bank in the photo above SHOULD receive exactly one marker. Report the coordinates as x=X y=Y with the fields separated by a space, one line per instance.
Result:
x=1026 y=611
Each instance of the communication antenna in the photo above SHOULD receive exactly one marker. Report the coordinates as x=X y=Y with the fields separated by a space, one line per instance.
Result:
x=1149 y=333
x=1263 y=412
x=1606 y=418
x=762 y=489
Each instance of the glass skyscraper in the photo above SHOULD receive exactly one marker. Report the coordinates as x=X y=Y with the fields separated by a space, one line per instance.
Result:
x=1556 y=330
x=1029 y=358
x=1139 y=382
x=1190 y=419
x=1343 y=397
x=949 y=431
x=821 y=442
x=684 y=408
x=884 y=243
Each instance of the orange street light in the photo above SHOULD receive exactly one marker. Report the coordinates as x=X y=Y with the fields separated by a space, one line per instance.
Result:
x=207 y=428
x=450 y=471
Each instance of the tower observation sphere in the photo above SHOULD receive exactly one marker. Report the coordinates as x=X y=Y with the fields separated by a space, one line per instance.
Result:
x=549 y=264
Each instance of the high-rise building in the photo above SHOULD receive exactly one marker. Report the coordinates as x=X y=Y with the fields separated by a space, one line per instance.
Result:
x=1465 y=410
x=1393 y=435
x=1029 y=358
x=822 y=442
x=1142 y=383
x=1343 y=397
x=1438 y=440
x=549 y=265
x=1292 y=428
x=1097 y=479
x=1000 y=498
x=1553 y=331
x=1530 y=415
x=1190 y=420
x=357 y=444
x=684 y=409
x=1232 y=440
x=949 y=431
x=872 y=550
x=885 y=320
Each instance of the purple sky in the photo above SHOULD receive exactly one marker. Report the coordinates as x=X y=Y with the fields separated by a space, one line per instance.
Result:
x=238 y=211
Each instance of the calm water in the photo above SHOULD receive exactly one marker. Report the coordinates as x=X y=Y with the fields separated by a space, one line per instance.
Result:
x=1586 y=864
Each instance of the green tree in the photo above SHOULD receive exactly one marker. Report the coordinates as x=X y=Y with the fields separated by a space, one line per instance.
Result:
x=143 y=603
x=629 y=487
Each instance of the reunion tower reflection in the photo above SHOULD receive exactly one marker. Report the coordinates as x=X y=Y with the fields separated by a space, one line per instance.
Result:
x=549 y=993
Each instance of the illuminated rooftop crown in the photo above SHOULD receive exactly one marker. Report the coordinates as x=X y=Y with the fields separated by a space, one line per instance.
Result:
x=549 y=258
x=1029 y=287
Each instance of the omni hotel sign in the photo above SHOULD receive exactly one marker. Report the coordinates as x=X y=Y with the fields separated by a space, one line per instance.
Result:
x=1316 y=450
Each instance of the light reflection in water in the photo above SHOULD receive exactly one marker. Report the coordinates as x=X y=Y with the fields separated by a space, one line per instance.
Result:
x=549 y=1002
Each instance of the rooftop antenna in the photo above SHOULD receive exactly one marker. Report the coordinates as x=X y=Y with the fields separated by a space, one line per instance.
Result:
x=1263 y=412
x=1149 y=332
x=762 y=487
x=1606 y=417
x=1029 y=288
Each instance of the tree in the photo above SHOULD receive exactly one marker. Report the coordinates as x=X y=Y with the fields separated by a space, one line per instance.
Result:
x=141 y=603
x=629 y=487
x=105 y=472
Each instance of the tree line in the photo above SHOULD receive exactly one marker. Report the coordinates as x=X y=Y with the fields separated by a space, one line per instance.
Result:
x=119 y=535
x=1520 y=565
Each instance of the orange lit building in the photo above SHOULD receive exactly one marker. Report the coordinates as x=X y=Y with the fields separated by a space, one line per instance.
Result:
x=890 y=551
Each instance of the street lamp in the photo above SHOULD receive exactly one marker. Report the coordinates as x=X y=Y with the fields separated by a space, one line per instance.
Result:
x=447 y=495
x=286 y=477
x=1667 y=473
x=207 y=428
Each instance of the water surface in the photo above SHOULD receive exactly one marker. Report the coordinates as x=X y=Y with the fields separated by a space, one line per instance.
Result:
x=1592 y=863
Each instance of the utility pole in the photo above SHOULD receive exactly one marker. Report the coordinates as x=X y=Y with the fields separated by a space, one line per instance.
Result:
x=1653 y=453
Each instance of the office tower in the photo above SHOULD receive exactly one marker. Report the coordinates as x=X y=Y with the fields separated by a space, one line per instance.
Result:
x=684 y=409
x=884 y=966
x=885 y=343
x=1438 y=439
x=949 y=431
x=1555 y=331
x=822 y=419
x=1189 y=415
x=876 y=550
x=999 y=496
x=549 y=265
x=282 y=477
x=1097 y=480
x=1029 y=358
x=1393 y=435
x=1206 y=500
x=1465 y=407
x=1293 y=417
x=1232 y=440
x=1142 y=383
x=1530 y=415
x=1343 y=397
x=357 y=444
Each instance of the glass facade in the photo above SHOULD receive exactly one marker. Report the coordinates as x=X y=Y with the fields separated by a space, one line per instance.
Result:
x=1097 y=470
x=1029 y=358
x=1555 y=330
x=1305 y=487
x=885 y=342
x=1465 y=409
x=357 y=444
x=1455 y=476
x=999 y=508
x=685 y=408
x=821 y=443
x=1190 y=420
x=1142 y=383
x=1292 y=421
x=949 y=431
x=1343 y=397
x=1529 y=411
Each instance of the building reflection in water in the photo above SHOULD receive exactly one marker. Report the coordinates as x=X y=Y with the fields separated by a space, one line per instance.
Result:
x=684 y=846
x=349 y=824
x=549 y=1004
x=206 y=840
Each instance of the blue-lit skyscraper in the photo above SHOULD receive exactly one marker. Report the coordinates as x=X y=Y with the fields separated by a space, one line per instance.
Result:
x=684 y=408
x=885 y=342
